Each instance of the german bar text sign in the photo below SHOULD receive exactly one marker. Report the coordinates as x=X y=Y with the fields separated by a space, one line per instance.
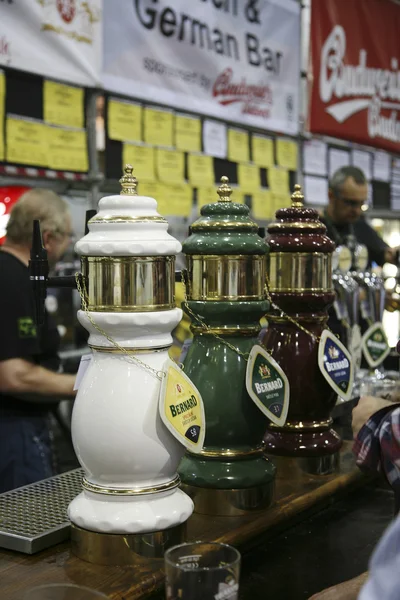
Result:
x=234 y=60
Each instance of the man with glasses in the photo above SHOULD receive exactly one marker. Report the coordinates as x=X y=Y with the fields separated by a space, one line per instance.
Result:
x=30 y=384
x=344 y=218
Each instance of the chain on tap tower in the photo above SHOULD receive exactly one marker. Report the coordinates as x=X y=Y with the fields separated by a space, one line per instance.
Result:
x=301 y=289
x=225 y=278
x=131 y=501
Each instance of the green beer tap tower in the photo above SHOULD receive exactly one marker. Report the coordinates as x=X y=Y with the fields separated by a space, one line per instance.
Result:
x=225 y=298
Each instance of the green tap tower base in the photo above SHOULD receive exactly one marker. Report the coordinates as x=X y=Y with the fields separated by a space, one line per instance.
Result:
x=226 y=266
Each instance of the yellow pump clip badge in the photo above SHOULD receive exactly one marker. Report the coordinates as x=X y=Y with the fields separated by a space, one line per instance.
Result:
x=181 y=408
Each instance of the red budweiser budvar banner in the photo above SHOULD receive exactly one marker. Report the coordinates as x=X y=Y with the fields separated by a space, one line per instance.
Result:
x=355 y=54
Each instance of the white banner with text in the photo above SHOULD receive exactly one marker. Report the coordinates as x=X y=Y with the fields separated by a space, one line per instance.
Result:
x=60 y=39
x=237 y=60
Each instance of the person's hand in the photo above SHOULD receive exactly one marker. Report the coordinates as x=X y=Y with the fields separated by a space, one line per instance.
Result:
x=366 y=407
x=348 y=590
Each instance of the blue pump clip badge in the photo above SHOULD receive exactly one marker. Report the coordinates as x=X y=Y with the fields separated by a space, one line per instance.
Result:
x=335 y=364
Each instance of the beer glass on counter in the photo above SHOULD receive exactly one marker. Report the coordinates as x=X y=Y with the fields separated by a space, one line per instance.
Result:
x=202 y=571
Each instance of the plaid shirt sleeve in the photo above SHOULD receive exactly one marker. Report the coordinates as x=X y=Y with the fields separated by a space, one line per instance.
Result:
x=377 y=446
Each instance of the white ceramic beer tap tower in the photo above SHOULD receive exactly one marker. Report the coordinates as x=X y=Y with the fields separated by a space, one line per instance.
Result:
x=130 y=459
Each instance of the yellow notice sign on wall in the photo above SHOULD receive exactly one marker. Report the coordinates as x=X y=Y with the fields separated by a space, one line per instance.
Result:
x=238 y=145
x=176 y=200
x=142 y=158
x=200 y=170
x=26 y=142
x=2 y=109
x=286 y=154
x=281 y=201
x=67 y=149
x=152 y=189
x=262 y=149
x=170 y=165
x=188 y=133
x=63 y=104
x=158 y=127
x=262 y=206
x=206 y=195
x=124 y=121
x=278 y=180
x=248 y=177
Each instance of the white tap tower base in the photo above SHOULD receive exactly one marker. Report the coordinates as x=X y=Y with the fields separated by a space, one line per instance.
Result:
x=129 y=457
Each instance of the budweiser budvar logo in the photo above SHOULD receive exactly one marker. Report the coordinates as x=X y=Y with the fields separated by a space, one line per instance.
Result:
x=256 y=99
x=359 y=87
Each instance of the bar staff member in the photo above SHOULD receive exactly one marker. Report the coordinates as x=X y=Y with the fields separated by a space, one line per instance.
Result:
x=348 y=191
x=29 y=383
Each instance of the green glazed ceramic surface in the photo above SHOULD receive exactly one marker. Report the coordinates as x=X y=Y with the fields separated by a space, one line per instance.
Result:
x=233 y=422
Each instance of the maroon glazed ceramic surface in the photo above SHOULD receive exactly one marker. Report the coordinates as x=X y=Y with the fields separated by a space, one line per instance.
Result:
x=299 y=229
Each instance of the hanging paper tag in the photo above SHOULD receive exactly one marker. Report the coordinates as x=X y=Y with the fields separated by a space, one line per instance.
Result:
x=181 y=408
x=267 y=385
x=355 y=347
x=375 y=345
x=83 y=366
x=335 y=364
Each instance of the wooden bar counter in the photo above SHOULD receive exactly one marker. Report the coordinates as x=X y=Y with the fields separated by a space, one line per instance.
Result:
x=297 y=495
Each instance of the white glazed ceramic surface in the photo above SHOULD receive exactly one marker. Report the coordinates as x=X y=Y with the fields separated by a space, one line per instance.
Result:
x=117 y=431
x=130 y=515
x=130 y=238
x=121 y=443
x=132 y=330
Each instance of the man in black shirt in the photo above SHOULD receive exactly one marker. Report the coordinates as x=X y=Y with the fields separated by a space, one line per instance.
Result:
x=343 y=217
x=29 y=382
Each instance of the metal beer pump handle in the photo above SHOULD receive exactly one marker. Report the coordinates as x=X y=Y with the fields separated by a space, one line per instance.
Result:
x=39 y=270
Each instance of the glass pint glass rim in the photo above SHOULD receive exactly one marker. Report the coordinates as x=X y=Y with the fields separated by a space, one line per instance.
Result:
x=220 y=545
x=64 y=586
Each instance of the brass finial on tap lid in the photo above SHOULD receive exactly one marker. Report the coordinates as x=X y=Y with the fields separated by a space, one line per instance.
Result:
x=224 y=191
x=128 y=182
x=297 y=197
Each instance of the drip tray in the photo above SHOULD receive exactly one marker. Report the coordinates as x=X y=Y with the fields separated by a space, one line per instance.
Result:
x=34 y=517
